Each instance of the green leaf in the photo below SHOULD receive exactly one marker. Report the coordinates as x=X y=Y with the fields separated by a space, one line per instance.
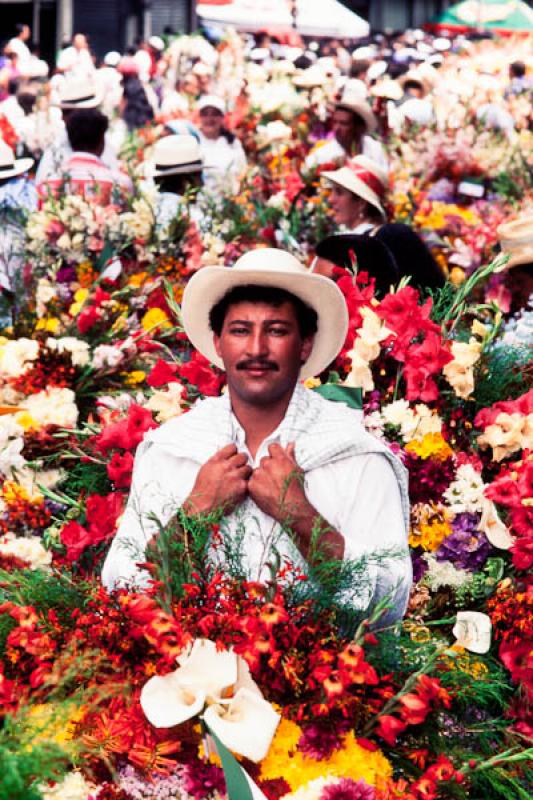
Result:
x=237 y=785
x=353 y=398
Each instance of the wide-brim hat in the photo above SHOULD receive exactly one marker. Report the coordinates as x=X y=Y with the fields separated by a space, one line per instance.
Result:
x=373 y=256
x=310 y=78
x=76 y=93
x=176 y=155
x=10 y=166
x=211 y=101
x=353 y=101
x=516 y=240
x=273 y=268
x=363 y=178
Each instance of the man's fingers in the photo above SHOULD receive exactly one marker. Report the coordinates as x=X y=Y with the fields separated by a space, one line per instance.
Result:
x=291 y=450
x=239 y=460
x=226 y=452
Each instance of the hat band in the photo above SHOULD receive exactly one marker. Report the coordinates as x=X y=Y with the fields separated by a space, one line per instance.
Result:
x=369 y=179
x=79 y=99
x=7 y=167
x=167 y=167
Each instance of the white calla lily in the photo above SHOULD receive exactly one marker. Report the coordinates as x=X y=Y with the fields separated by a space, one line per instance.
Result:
x=246 y=724
x=472 y=631
x=492 y=526
x=208 y=669
x=166 y=702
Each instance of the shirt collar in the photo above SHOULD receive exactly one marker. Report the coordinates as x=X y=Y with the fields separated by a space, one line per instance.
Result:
x=286 y=430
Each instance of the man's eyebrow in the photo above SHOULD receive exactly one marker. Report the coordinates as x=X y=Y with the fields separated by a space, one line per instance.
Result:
x=265 y=321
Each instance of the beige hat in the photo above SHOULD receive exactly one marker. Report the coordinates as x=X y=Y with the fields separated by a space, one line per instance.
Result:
x=364 y=178
x=176 y=155
x=387 y=88
x=274 y=268
x=11 y=166
x=516 y=240
x=211 y=101
x=310 y=78
x=76 y=93
x=418 y=76
x=352 y=99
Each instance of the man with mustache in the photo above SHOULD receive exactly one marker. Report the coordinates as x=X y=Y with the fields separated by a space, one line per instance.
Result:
x=293 y=474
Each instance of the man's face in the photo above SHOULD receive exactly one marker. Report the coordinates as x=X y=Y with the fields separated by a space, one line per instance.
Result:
x=262 y=351
x=80 y=42
x=25 y=34
x=345 y=127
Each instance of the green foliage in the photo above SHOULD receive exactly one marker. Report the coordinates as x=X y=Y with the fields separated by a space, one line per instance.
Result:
x=506 y=373
x=22 y=760
x=46 y=591
x=499 y=783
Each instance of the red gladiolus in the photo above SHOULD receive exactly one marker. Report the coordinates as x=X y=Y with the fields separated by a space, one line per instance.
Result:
x=522 y=551
x=102 y=515
x=76 y=539
x=389 y=728
x=120 y=469
x=88 y=317
x=201 y=374
x=414 y=708
x=162 y=374
x=518 y=658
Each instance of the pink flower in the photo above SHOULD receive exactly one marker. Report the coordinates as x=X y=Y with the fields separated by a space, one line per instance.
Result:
x=347 y=789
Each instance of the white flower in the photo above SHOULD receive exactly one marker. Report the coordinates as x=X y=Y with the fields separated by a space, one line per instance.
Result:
x=15 y=355
x=413 y=423
x=466 y=492
x=29 y=550
x=72 y=787
x=53 y=406
x=45 y=292
x=10 y=456
x=107 y=355
x=79 y=350
x=443 y=573
x=472 y=631
x=167 y=404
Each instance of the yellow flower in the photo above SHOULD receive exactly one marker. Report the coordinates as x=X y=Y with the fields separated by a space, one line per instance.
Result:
x=134 y=377
x=138 y=279
x=26 y=421
x=312 y=383
x=431 y=445
x=155 y=317
x=349 y=761
x=12 y=492
x=80 y=296
x=429 y=536
x=50 y=324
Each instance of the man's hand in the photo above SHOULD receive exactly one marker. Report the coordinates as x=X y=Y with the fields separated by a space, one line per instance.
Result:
x=276 y=486
x=221 y=483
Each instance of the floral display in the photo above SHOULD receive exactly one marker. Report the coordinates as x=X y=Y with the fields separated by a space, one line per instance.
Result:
x=208 y=686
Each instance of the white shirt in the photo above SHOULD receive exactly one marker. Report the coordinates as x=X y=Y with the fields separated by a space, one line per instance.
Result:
x=358 y=496
x=224 y=162
x=74 y=62
x=333 y=151
x=55 y=156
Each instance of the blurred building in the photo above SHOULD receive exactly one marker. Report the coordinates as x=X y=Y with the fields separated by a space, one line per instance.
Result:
x=397 y=14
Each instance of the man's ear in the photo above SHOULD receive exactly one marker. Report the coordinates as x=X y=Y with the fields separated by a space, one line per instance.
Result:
x=307 y=346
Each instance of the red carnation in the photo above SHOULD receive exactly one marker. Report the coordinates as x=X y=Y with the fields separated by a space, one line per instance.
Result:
x=87 y=318
x=76 y=539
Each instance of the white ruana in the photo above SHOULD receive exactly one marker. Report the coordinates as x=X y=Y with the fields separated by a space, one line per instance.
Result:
x=217 y=683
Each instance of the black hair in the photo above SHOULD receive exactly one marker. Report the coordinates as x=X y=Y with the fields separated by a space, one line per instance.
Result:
x=179 y=183
x=20 y=27
x=86 y=129
x=137 y=110
x=517 y=69
x=13 y=85
x=269 y=295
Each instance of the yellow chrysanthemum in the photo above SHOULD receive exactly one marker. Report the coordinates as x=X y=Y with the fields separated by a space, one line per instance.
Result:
x=432 y=445
x=49 y=723
x=311 y=383
x=26 y=421
x=429 y=536
x=349 y=761
x=138 y=279
x=135 y=377
x=155 y=318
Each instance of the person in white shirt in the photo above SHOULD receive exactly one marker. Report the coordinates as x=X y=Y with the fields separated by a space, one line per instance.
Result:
x=222 y=151
x=176 y=168
x=352 y=123
x=18 y=46
x=76 y=60
x=286 y=468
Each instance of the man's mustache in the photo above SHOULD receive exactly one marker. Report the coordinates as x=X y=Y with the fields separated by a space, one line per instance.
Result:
x=258 y=364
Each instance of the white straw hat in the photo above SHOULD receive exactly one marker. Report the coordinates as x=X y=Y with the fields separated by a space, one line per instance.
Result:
x=112 y=59
x=274 y=268
x=516 y=240
x=11 y=166
x=211 y=101
x=76 y=93
x=176 y=155
x=364 y=178
x=353 y=100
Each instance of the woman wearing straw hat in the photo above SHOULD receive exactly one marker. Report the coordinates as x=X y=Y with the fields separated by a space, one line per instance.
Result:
x=222 y=151
x=17 y=194
x=358 y=195
x=176 y=168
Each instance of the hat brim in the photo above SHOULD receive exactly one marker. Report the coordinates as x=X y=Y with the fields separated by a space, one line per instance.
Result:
x=363 y=111
x=345 y=177
x=210 y=284
x=92 y=102
x=177 y=170
x=20 y=165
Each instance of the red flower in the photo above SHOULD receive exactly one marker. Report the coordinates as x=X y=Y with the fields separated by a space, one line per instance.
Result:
x=162 y=374
x=505 y=492
x=522 y=551
x=88 y=317
x=518 y=658
x=120 y=469
x=522 y=520
x=414 y=708
x=127 y=433
x=102 y=515
x=201 y=374
x=389 y=728
x=76 y=539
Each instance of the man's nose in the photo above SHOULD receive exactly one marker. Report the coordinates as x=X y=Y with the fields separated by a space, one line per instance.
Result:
x=257 y=343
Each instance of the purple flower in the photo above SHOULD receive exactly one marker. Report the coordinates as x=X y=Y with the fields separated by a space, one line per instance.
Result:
x=66 y=274
x=319 y=742
x=420 y=567
x=203 y=780
x=467 y=547
x=347 y=789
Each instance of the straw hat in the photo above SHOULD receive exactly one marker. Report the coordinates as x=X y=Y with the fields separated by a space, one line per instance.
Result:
x=176 y=155
x=353 y=100
x=274 y=268
x=310 y=78
x=112 y=59
x=76 y=93
x=364 y=178
x=388 y=89
x=211 y=101
x=11 y=166
x=516 y=240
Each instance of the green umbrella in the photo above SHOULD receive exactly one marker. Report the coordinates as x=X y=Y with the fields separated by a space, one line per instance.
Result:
x=505 y=16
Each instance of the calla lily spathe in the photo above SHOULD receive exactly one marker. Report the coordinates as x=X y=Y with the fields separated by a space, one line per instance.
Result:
x=218 y=681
